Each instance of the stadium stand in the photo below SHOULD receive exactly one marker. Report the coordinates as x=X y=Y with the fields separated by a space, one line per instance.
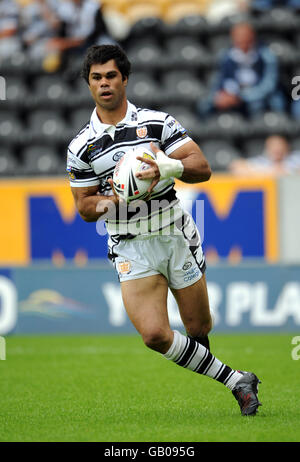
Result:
x=174 y=47
x=8 y=162
x=41 y=160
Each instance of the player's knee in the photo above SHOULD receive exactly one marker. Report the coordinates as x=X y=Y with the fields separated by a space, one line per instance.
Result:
x=157 y=339
x=200 y=330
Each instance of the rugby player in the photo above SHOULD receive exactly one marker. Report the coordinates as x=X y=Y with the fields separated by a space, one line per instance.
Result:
x=168 y=255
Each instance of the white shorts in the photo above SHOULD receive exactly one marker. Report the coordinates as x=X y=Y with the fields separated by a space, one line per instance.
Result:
x=178 y=257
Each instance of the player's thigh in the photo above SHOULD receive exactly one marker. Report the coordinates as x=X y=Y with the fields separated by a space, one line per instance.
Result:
x=194 y=309
x=145 y=301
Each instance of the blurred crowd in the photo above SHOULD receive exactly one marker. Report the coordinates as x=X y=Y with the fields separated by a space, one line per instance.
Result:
x=247 y=78
x=47 y=27
x=277 y=158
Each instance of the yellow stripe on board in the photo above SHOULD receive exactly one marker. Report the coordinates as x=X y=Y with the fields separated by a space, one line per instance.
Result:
x=14 y=229
x=221 y=190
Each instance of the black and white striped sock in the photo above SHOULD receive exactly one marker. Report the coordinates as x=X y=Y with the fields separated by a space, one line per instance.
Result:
x=188 y=353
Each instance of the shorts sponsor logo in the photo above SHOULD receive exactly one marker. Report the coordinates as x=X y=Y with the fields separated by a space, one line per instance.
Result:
x=142 y=132
x=191 y=274
x=124 y=267
x=187 y=266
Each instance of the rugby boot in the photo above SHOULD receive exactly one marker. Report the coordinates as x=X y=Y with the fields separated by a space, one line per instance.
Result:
x=245 y=392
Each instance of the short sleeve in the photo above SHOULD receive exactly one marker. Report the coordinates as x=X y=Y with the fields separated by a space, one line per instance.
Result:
x=80 y=173
x=173 y=135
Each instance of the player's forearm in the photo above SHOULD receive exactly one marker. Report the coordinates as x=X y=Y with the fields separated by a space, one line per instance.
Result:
x=91 y=208
x=195 y=169
x=187 y=163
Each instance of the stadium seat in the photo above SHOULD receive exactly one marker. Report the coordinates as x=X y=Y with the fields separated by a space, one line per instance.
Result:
x=11 y=128
x=119 y=5
x=78 y=118
x=46 y=124
x=187 y=119
x=149 y=26
x=194 y=25
x=269 y=123
x=226 y=125
x=40 y=160
x=217 y=44
x=79 y=95
x=143 y=90
x=219 y=153
x=49 y=91
x=252 y=147
x=8 y=162
x=278 y=20
x=145 y=53
x=285 y=51
x=16 y=64
x=227 y=22
x=182 y=87
x=182 y=52
x=295 y=144
x=15 y=92
x=178 y=9
x=143 y=9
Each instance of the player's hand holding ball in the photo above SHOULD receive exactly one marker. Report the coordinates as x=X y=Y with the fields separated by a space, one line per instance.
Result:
x=161 y=168
x=126 y=182
x=139 y=171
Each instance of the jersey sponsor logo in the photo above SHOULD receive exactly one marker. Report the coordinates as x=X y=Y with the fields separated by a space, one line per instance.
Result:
x=142 y=132
x=92 y=147
x=117 y=155
x=187 y=266
x=124 y=267
x=93 y=150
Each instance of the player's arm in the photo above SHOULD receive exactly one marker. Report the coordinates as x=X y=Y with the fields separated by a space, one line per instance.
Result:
x=196 y=168
x=91 y=205
x=187 y=163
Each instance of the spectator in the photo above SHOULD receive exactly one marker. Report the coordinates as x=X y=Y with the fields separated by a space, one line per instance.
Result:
x=40 y=23
x=248 y=78
x=264 y=5
x=295 y=109
x=83 y=25
x=277 y=159
x=9 y=28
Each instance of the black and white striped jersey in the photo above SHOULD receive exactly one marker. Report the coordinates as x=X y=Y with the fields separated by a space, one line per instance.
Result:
x=94 y=152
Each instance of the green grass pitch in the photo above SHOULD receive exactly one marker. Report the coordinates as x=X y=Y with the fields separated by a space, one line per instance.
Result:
x=114 y=389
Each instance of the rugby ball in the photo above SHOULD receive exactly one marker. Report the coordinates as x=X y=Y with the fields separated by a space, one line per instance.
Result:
x=126 y=184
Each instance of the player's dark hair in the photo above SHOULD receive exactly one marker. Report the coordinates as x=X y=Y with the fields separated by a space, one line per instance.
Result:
x=100 y=54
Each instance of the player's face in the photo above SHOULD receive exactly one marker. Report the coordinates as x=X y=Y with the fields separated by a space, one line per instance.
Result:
x=107 y=86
